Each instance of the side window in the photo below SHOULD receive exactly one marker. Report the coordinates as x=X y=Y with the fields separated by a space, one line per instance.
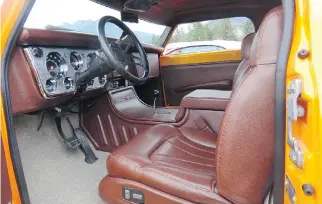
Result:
x=209 y=36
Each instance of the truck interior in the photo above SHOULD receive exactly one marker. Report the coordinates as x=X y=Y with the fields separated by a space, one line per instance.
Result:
x=100 y=119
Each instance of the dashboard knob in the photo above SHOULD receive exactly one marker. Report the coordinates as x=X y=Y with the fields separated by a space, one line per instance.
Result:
x=37 y=52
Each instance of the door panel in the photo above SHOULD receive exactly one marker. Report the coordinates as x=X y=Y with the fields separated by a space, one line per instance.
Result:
x=182 y=74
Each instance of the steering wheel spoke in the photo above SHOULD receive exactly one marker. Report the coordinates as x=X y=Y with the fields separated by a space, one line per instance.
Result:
x=118 y=53
x=125 y=42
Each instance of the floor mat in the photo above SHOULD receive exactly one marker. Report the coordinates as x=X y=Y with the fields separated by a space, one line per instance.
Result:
x=53 y=173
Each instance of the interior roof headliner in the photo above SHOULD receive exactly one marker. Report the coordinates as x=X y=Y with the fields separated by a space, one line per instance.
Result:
x=170 y=12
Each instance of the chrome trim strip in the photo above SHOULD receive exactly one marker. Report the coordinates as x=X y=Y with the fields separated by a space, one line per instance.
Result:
x=135 y=131
x=102 y=128
x=113 y=131
x=125 y=134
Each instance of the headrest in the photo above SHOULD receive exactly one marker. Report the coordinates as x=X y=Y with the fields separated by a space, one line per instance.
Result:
x=247 y=45
x=267 y=41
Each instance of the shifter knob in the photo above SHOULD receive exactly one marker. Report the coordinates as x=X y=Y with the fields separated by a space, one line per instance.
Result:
x=156 y=93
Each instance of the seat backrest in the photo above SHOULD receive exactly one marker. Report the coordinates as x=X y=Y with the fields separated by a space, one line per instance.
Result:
x=243 y=67
x=245 y=143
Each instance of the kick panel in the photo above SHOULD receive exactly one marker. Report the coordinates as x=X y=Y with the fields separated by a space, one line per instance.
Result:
x=105 y=129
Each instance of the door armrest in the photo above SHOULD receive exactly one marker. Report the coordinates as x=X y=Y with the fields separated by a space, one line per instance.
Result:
x=204 y=99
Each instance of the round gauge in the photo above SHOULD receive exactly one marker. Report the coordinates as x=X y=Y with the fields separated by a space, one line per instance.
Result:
x=56 y=65
x=76 y=60
x=51 y=85
x=68 y=82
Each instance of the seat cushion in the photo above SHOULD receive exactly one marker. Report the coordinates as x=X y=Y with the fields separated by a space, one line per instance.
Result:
x=180 y=162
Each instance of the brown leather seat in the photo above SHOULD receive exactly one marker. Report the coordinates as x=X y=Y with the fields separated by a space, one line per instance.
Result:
x=179 y=165
x=244 y=65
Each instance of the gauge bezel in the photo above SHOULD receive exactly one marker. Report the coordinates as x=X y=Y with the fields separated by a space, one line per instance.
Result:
x=58 y=67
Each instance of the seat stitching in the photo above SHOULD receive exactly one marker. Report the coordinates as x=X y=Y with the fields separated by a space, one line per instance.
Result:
x=206 y=98
x=161 y=143
x=209 y=173
x=125 y=160
x=189 y=152
x=176 y=179
x=183 y=160
x=161 y=173
x=195 y=147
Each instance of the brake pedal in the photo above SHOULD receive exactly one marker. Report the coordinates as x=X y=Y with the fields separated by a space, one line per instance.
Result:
x=78 y=139
x=90 y=157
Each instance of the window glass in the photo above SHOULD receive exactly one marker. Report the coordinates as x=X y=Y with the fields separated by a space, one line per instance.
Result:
x=225 y=33
x=195 y=49
x=82 y=16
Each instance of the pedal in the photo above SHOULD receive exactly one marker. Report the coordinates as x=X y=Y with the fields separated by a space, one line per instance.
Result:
x=90 y=157
x=78 y=139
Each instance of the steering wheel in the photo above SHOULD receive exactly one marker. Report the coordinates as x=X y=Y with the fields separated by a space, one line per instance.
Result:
x=117 y=54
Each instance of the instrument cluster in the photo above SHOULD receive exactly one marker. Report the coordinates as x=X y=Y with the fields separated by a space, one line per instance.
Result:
x=55 y=69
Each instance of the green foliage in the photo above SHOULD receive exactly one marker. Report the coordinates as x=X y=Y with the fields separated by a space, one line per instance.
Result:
x=179 y=35
x=155 y=39
x=225 y=30
x=222 y=29
x=247 y=27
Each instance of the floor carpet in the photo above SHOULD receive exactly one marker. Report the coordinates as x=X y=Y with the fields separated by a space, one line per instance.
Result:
x=55 y=174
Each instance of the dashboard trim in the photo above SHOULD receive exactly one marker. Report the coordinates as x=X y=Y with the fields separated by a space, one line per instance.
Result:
x=42 y=37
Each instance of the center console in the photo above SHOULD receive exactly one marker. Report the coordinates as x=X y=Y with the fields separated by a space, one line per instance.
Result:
x=126 y=102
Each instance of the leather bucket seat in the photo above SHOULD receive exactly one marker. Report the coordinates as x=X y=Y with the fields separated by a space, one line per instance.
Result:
x=179 y=165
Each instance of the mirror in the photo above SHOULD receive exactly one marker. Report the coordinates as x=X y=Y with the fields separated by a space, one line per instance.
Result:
x=129 y=17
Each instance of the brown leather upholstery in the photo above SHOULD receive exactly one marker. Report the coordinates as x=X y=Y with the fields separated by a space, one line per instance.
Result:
x=204 y=99
x=169 y=160
x=243 y=67
x=191 y=164
x=245 y=145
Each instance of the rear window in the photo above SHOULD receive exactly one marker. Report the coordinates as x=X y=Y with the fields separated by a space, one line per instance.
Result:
x=206 y=36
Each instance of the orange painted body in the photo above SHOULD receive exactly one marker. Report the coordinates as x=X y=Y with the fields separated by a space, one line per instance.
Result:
x=10 y=10
x=197 y=58
x=307 y=129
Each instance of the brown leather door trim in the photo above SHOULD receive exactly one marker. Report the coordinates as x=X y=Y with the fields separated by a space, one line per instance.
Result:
x=222 y=83
x=180 y=80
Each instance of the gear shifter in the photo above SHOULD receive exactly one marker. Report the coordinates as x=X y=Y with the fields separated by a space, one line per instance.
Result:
x=156 y=93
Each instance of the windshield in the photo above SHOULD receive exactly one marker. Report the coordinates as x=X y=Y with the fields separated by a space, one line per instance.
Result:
x=82 y=16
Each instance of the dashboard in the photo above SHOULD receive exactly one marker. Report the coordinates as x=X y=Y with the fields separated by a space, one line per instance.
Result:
x=44 y=63
x=55 y=69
